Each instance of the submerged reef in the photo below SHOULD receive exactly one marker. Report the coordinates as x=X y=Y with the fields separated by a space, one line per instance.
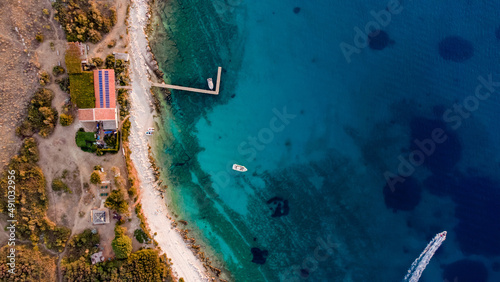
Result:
x=259 y=256
x=456 y=49
x=379 y=39
x=278 y=206
x=405 y=196
x=466 y=271
x=296 y=10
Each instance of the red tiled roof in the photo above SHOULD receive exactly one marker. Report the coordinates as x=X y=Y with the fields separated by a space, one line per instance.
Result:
x=105 y=114
x=96 y=114
x=104 y=88
x=86 y=114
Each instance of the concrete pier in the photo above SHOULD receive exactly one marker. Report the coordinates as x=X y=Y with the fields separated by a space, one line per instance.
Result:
x=190 y=89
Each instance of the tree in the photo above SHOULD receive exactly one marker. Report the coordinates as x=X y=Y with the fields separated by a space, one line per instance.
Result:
x=95 y=178
x=97 y=61
x=110 y=61
x=116 y=201
x=122 y=244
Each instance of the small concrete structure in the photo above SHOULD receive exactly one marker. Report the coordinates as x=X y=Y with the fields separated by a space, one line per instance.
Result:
x=100 y=216
x=97 y=257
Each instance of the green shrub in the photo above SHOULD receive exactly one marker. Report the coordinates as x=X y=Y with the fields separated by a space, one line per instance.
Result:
x=58 y=70
x=39 y=37
x=44 y=78
x=65 y=119
x=95 y=178
x=63 y=83
x=59 y=185
x=112 y=43
x=141 y=236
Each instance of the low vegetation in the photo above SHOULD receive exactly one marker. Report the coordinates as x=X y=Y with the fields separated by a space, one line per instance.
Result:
x=31 y=265
x=72 y=59
x=81 y=89
x=143 y=265
x=84 y=20
x=123 y=102
x=86 y=140
x=31 y=200
x=42 y=117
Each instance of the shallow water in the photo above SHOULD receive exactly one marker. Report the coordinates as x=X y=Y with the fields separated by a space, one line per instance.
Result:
x=323 y=132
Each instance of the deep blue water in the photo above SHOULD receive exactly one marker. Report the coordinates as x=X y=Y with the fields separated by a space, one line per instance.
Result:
x=358 y=152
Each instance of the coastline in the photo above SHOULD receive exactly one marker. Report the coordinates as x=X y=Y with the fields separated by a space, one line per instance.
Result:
x=170 y=241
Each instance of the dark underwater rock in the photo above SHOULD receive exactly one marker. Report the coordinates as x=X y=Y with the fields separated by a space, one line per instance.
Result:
x=259 y=256
x=456 y=49
x=405 y=196
x=443 y=157
x=466 y=271
x=478 y=212
x=278 y=206
x=296 y=10
x=497 y=33
x=379 y=39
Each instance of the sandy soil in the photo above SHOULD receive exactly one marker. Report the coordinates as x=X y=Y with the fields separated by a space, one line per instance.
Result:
x=19 y=23
x=185 y=264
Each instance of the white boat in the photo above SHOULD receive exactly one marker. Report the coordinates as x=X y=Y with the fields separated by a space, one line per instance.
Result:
x=210 y=83
x=151 y=129
x=149 y=133
x=238 y=167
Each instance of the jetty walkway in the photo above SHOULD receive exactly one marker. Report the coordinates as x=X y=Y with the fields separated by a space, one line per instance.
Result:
x=190 y=89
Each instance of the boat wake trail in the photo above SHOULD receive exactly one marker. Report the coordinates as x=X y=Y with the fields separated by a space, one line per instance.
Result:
x=418 y=266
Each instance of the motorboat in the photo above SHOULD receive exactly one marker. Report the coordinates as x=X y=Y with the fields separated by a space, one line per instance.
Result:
x=210 y=83
x=240 y=168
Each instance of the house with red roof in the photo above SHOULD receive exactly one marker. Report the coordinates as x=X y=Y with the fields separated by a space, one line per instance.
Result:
x=105 y=101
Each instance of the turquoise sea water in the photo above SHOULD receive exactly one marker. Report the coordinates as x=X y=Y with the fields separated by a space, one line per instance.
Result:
x=322 y=135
